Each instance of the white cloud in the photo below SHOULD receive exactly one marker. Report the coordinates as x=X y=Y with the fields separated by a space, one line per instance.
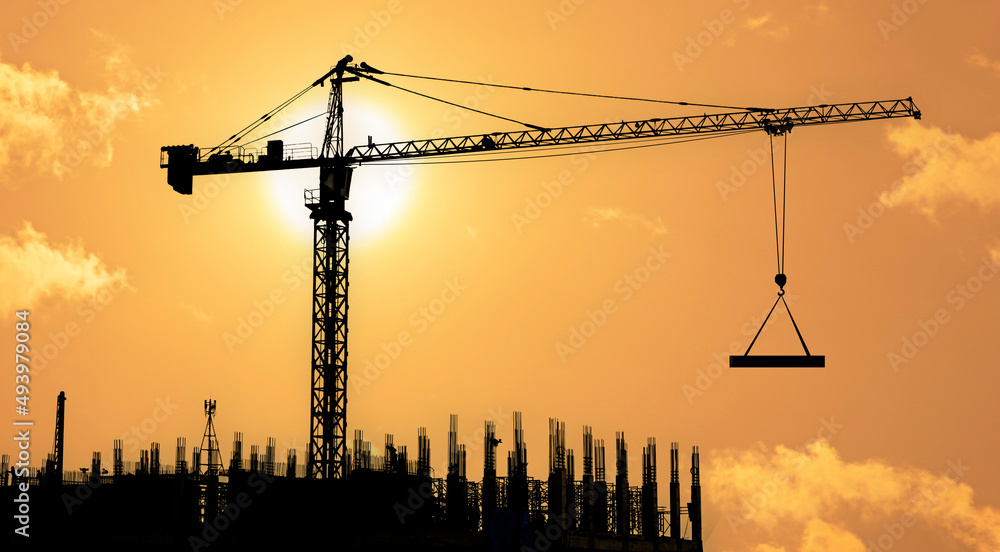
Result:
x=813 y=488
x=32 y=269
x=757 y=22
x=820 y=536
x=764 y=25
x=944 y=167
x=49 y=127
x=600 y=217
x=822 y=8
x=979 y=60
x=199 y=314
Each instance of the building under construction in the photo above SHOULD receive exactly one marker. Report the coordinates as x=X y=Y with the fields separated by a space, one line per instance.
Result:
x=387 y=501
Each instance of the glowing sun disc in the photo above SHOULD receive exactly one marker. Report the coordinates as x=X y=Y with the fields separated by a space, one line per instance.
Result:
x=378 y=193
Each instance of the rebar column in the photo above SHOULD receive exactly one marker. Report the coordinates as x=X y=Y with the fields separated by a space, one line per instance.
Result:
x=622 y=497
x=489 y=493
x=694 y=508
x=650 y=515
x=675 y=493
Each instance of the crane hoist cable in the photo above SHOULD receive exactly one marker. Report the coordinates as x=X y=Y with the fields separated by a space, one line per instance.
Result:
x=779 y=361
x=784 y=196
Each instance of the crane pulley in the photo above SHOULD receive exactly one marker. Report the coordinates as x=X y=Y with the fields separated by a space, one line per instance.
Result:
x=327 y=447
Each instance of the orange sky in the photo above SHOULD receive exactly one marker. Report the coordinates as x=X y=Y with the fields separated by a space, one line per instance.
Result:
x=892 y=235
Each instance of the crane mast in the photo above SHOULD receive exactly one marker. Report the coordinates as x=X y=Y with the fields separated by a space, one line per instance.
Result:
x=327 y=454
x=331 y=233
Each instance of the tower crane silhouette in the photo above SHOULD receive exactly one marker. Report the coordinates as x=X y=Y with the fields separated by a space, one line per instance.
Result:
x=331 y=220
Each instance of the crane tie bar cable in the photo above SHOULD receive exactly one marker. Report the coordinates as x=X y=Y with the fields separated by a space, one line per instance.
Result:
x=231 y=141
x=380 y=81
x=286 y=128
x=604 y=96
x=364 y=69
x=263 y=118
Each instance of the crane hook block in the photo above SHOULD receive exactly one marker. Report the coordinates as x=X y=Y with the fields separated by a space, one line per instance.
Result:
x=781 y=280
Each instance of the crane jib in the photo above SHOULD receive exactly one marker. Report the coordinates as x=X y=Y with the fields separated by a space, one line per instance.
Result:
x=183 y=162
x=780 y=119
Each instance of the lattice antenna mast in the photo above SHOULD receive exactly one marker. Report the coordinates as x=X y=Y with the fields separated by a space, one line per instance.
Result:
x=210 y=443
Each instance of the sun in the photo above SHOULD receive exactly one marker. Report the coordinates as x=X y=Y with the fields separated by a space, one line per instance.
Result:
x=378 y=193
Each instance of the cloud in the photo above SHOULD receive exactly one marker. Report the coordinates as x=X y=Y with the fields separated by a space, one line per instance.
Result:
x=813 y=488
x=599 y=217
x=820 y=536
x=49 y=127
x=979 y=60
x=760 y=26
x=822 y=8
x=944 y=167
x=199 y=314
x=32 y=269
x=757 y=22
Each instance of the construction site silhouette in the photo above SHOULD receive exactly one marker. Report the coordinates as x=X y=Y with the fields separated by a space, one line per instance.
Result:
x=388 y=501
x=344 y=496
